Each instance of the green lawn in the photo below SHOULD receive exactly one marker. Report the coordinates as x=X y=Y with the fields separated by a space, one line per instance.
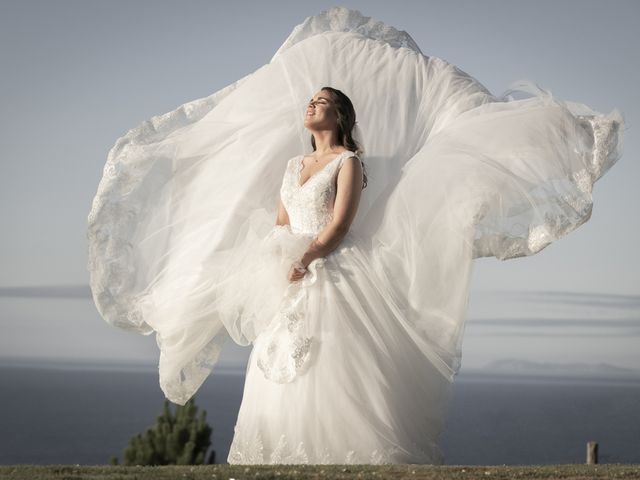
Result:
x=281 y=472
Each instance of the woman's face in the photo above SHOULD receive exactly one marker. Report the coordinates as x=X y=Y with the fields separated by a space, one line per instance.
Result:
x=320 y=114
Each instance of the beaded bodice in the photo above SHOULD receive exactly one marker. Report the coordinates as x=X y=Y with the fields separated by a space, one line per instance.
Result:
x=310 y=205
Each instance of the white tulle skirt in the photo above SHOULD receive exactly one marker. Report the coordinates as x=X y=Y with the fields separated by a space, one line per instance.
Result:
x=339 y=375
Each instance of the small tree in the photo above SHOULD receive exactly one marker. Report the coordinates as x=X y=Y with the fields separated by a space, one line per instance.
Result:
x=180 y=439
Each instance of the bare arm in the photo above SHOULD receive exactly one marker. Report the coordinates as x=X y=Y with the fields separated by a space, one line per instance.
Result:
x=348 y=192
x=283 y=216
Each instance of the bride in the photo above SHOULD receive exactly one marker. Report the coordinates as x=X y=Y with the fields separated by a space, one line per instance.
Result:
x=333 y=378
x=330 y=115
x=354 y=301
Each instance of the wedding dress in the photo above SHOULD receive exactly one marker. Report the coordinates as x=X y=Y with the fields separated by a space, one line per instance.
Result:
x=353 y=363
x=340 y=375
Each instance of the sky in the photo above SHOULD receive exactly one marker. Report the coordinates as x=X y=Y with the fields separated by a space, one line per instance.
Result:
x=77 y=75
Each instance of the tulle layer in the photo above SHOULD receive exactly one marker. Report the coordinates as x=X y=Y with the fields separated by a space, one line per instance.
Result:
x=249 y=295
x=503 y=179
x=369 y=388
x=455 y=173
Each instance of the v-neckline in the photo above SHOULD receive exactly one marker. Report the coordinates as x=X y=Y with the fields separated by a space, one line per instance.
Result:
x=301 y=166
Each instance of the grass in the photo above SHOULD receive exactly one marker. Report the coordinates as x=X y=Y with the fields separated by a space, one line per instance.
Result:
x=282 y=472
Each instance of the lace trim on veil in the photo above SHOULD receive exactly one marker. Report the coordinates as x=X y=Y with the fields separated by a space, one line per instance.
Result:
x=342 y=19
x=573 y=209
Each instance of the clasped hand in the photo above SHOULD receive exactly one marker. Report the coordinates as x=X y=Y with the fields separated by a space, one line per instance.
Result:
x=297 y=271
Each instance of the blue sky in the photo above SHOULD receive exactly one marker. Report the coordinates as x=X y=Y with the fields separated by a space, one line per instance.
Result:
x=77 y=75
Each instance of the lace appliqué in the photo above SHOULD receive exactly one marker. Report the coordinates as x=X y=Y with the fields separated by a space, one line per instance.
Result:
x=254 y=452
x=342 y=19
x=113 y=217
x=284 y=350
x=181 y=387
x=605 y=133
x=310 y=206
x=566 y=211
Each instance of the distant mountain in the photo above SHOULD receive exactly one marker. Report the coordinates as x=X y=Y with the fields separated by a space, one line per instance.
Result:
x=519 y=366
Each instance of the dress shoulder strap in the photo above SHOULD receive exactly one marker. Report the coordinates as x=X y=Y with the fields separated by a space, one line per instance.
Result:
x=346 y=154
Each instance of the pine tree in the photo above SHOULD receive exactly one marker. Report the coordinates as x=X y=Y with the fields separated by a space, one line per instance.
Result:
x=180 y=439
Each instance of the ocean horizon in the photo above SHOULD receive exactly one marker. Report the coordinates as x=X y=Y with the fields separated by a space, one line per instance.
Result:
x=66 y=413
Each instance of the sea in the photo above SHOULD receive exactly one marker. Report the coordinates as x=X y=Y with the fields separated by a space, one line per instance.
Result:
x=57 y=414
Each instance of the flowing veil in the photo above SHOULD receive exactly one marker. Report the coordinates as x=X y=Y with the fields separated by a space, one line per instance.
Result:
x=455 y=173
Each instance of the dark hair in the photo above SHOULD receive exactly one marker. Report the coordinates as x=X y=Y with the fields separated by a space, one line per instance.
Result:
x=346 y=121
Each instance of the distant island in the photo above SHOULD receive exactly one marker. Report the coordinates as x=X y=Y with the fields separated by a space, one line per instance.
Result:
x=520 y=366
